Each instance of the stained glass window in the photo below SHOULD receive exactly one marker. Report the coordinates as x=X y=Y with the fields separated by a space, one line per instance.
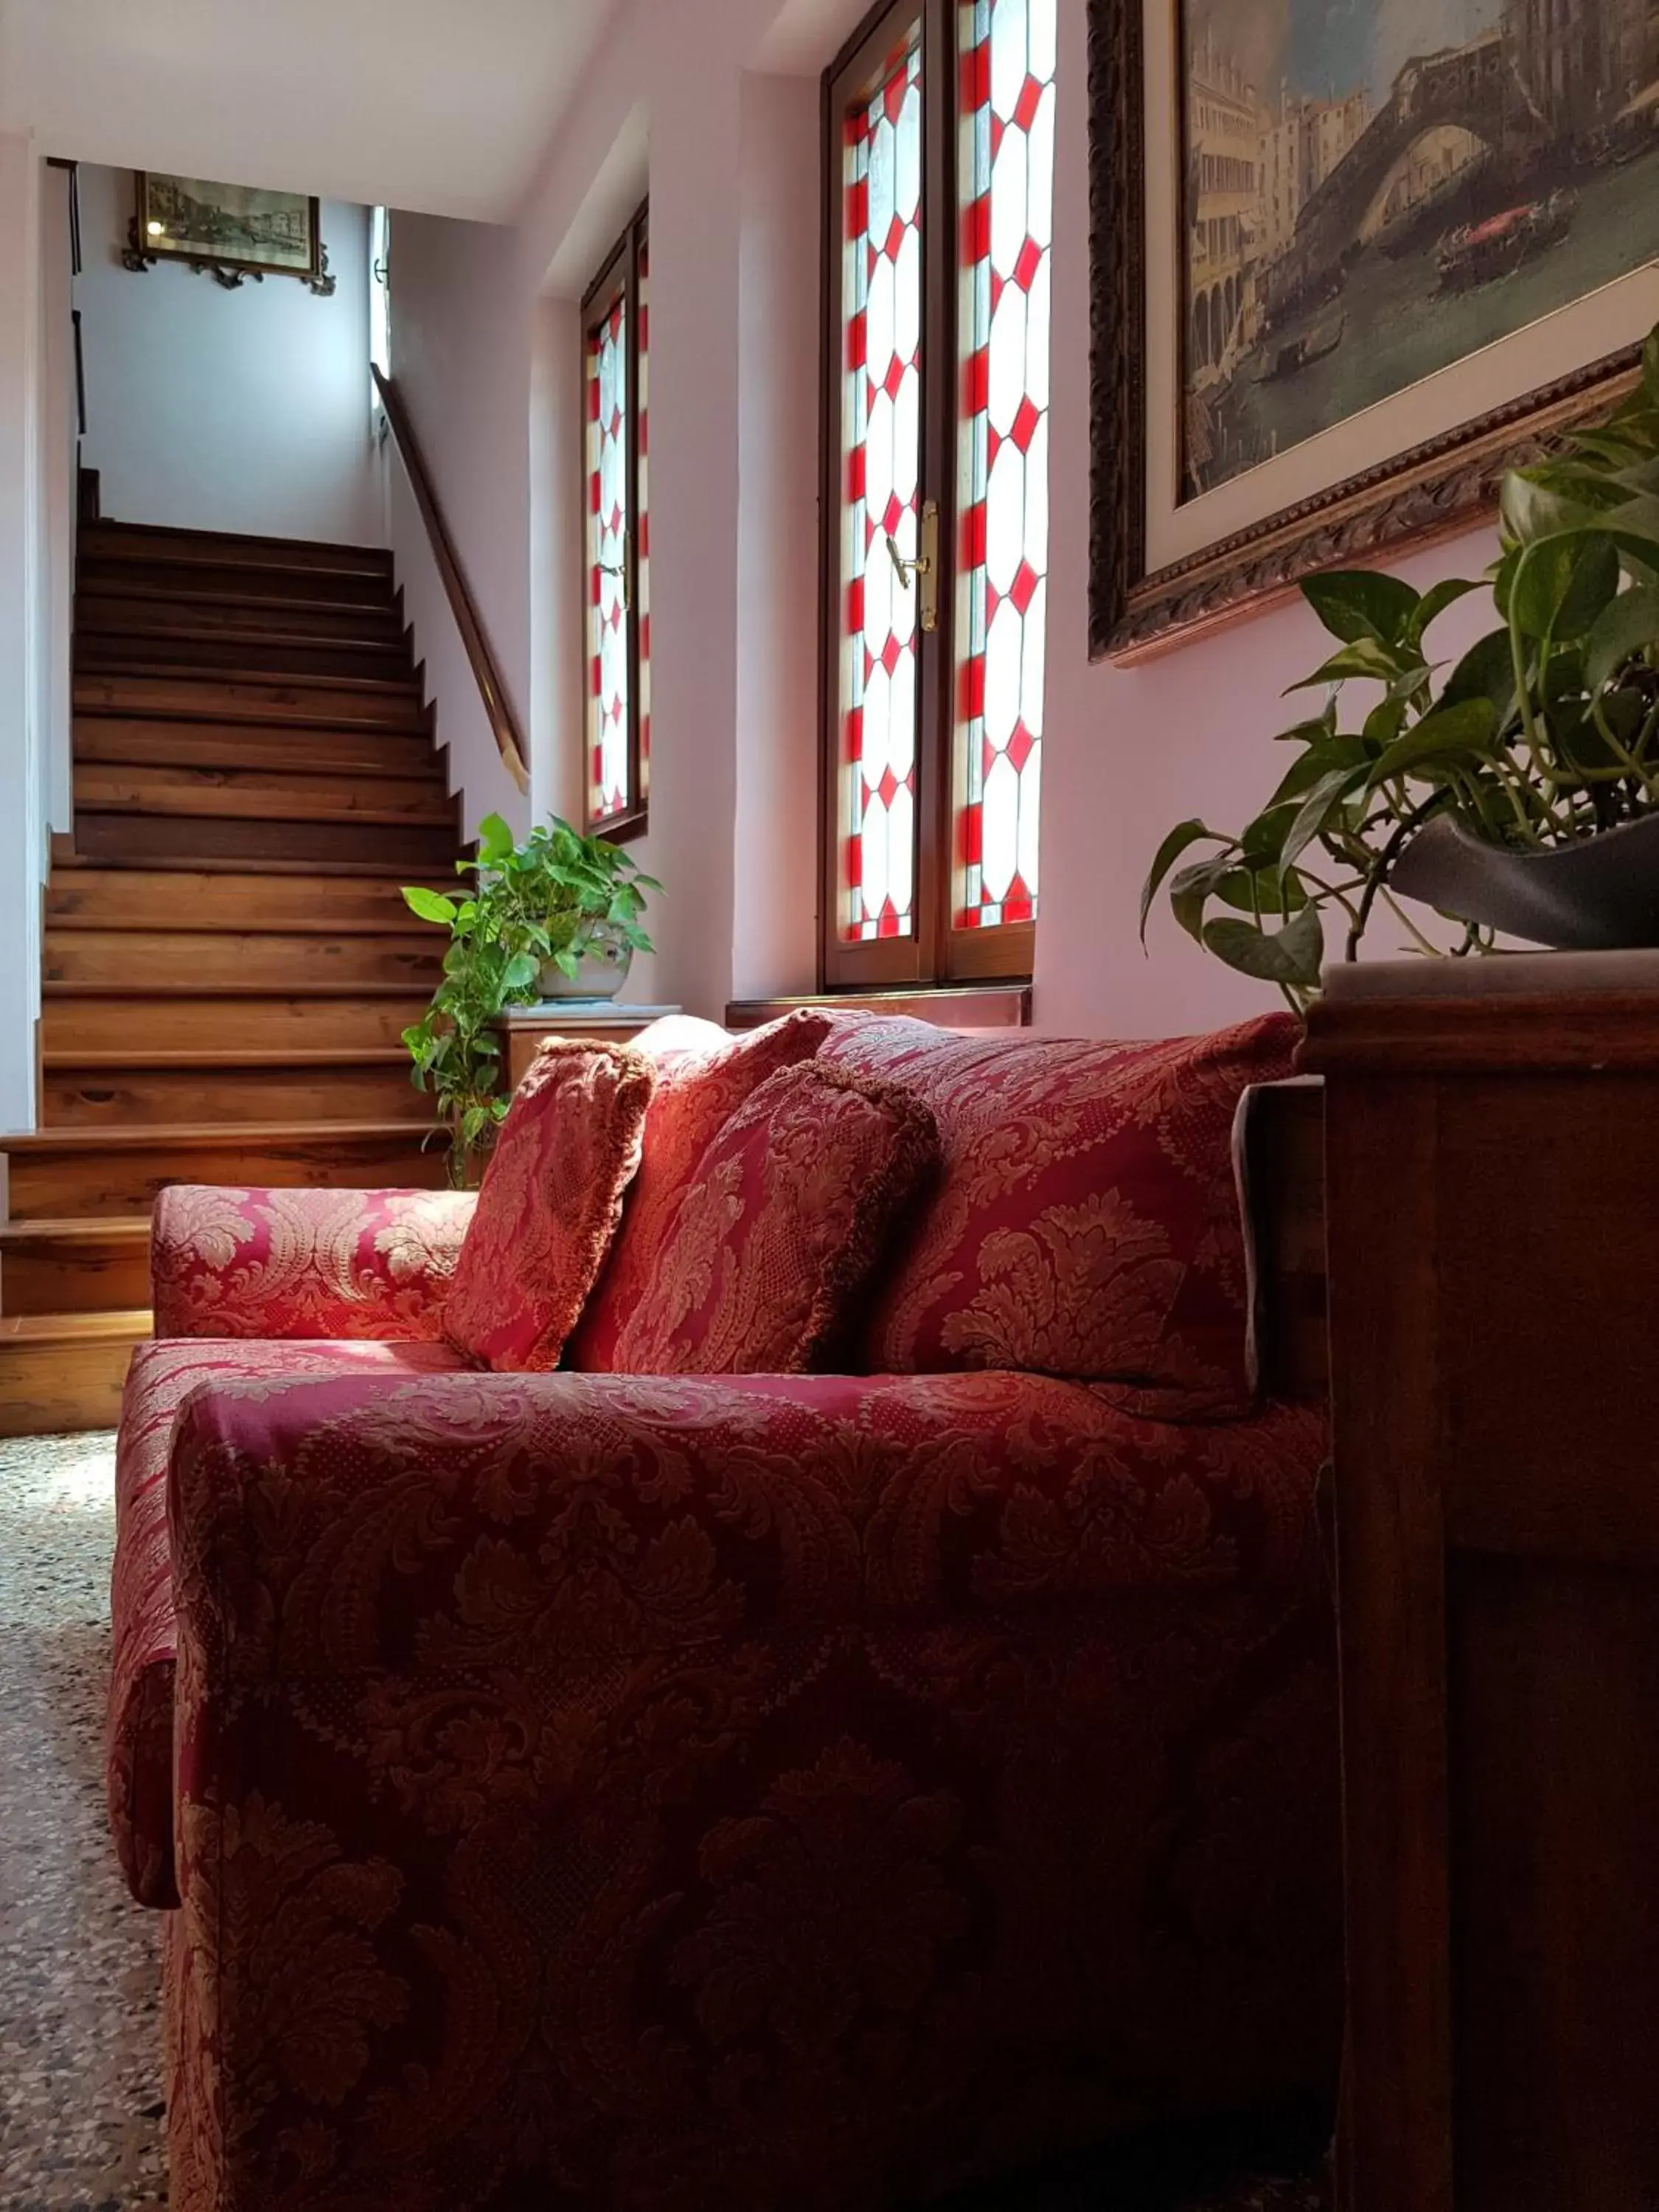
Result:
x=607 y=566
x=881 y=455
x=643 y=502
x=1007 y=154
x=617 y=384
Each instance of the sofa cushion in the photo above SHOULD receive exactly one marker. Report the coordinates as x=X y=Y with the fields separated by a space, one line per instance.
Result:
x=138 y=1736
x=703 y=1076
x=551 y=1198
x=783 y=1219
x=305 y=1263
x=1087 y=1221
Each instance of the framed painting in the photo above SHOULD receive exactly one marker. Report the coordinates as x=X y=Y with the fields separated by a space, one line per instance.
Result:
x=1396 y=247
x=229 y=232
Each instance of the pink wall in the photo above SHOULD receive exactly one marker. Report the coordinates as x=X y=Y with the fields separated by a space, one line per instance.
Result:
x=731 y=160
x=1130 y=752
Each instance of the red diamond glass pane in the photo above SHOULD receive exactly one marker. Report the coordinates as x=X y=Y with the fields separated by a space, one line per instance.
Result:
x=881 y=456
x=1007 y=165
x=642 y=526
x=607 y=795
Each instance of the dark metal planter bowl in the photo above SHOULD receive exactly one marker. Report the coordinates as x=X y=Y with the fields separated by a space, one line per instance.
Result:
x=1599 y=896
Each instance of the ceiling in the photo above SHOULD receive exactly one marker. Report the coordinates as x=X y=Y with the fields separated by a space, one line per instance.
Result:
x=444 y=107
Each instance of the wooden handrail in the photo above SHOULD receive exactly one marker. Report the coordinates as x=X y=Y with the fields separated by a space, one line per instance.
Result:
x=509 y=739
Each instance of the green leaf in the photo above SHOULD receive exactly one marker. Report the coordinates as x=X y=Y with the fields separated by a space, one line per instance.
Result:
x=1290 y=956
x=1630 y=626
x=1562 y=584
x=521 y=972
x=1531 y=509
x=1435 y=603
x=494 y=841
x=1180 y=840
x=1331 y=791
x=1259 y=890
x=1367 y=660
x=1193 y=887
x=1319 y=760
x=430 y=906
x=1384 y=723
x=1362 y=603
x=1450 y=731
x=1486 y=671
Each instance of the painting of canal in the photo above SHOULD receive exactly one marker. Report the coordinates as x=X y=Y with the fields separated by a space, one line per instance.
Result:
x=1377 y=189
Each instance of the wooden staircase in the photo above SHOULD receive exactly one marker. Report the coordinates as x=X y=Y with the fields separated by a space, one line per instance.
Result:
x=228 y=961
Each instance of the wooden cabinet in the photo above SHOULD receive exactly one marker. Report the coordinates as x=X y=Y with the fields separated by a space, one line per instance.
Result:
x=527 y=1029
x=1493 y=1208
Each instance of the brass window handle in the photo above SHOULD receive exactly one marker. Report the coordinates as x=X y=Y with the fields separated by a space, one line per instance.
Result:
x=924 y=567
x=623 y=568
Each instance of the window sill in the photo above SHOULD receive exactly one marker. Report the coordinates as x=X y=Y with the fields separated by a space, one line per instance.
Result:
x=973 y=1009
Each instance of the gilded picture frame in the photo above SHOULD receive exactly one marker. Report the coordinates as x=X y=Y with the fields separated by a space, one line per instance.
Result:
x=231 y=233
x=1156 y=579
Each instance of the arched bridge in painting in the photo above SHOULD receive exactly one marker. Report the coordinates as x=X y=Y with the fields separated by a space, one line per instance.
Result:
x=1474 y=87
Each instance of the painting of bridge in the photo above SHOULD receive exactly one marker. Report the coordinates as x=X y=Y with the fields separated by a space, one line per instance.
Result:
x=1377 y=189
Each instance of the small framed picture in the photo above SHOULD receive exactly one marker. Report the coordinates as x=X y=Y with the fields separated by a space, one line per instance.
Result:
x=231 y=232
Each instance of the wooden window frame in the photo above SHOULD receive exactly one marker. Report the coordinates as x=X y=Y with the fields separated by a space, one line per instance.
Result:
x=619 y=278
x=936 y=955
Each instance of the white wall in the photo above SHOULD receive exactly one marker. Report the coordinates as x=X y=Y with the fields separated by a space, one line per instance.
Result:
x=461 y=334
x=22 y=740
x=214 y=410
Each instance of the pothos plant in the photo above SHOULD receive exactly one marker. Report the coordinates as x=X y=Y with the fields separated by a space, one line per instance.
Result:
x=1544 y=732
x=553 y=898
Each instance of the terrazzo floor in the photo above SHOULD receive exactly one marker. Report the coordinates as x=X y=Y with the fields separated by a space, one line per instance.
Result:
x=80 y=2090
x=80 y=2103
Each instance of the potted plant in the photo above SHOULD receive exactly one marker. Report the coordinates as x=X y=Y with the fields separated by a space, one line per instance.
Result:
x=1516 y=791
x=559 y=915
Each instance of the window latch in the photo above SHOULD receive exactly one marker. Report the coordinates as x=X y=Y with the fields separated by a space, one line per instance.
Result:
x=924 y=568
x=622 y=569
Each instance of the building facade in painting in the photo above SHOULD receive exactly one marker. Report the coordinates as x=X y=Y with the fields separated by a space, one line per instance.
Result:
x=1582 y=62
x=1225 y=214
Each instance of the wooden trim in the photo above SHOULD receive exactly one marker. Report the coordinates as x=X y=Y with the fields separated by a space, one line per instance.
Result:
x=503 y=722
x=1602 y=1033
x=1008 y=1007
x=937 y=951
x=618 y=278
x=884 y=963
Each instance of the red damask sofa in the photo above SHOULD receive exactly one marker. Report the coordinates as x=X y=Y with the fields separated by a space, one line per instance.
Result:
x=756 y=1791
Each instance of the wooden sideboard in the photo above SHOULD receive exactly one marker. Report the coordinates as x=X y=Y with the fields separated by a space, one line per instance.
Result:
x=527 y=1029
x=1492 y=1209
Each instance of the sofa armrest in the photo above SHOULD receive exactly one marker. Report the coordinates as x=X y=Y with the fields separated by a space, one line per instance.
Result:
x=326 y=1526
x=665 y=1791
x=302 y=1263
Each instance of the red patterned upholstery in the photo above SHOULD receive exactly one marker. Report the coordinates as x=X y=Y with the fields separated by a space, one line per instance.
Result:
x=138 y=1740
x=1088 y=1222
x=670 y=1794
x=784 y=1218
x=320 y=1263
x=656 y=1793
x=702 y=1077
x=551 y=1198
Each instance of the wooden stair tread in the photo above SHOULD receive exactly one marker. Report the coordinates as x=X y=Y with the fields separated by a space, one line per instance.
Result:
x=141 y=539
x=369 y=1056
x=128 y=1327
x=208 y=1136
x=196 y=592
x=258 y=679
x=65 y=856
x=78 y=1229
x=260 y=794
x=186 y=989
x=134 y=741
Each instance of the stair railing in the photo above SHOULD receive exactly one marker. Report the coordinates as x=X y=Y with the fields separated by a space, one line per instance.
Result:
x=503 y=722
